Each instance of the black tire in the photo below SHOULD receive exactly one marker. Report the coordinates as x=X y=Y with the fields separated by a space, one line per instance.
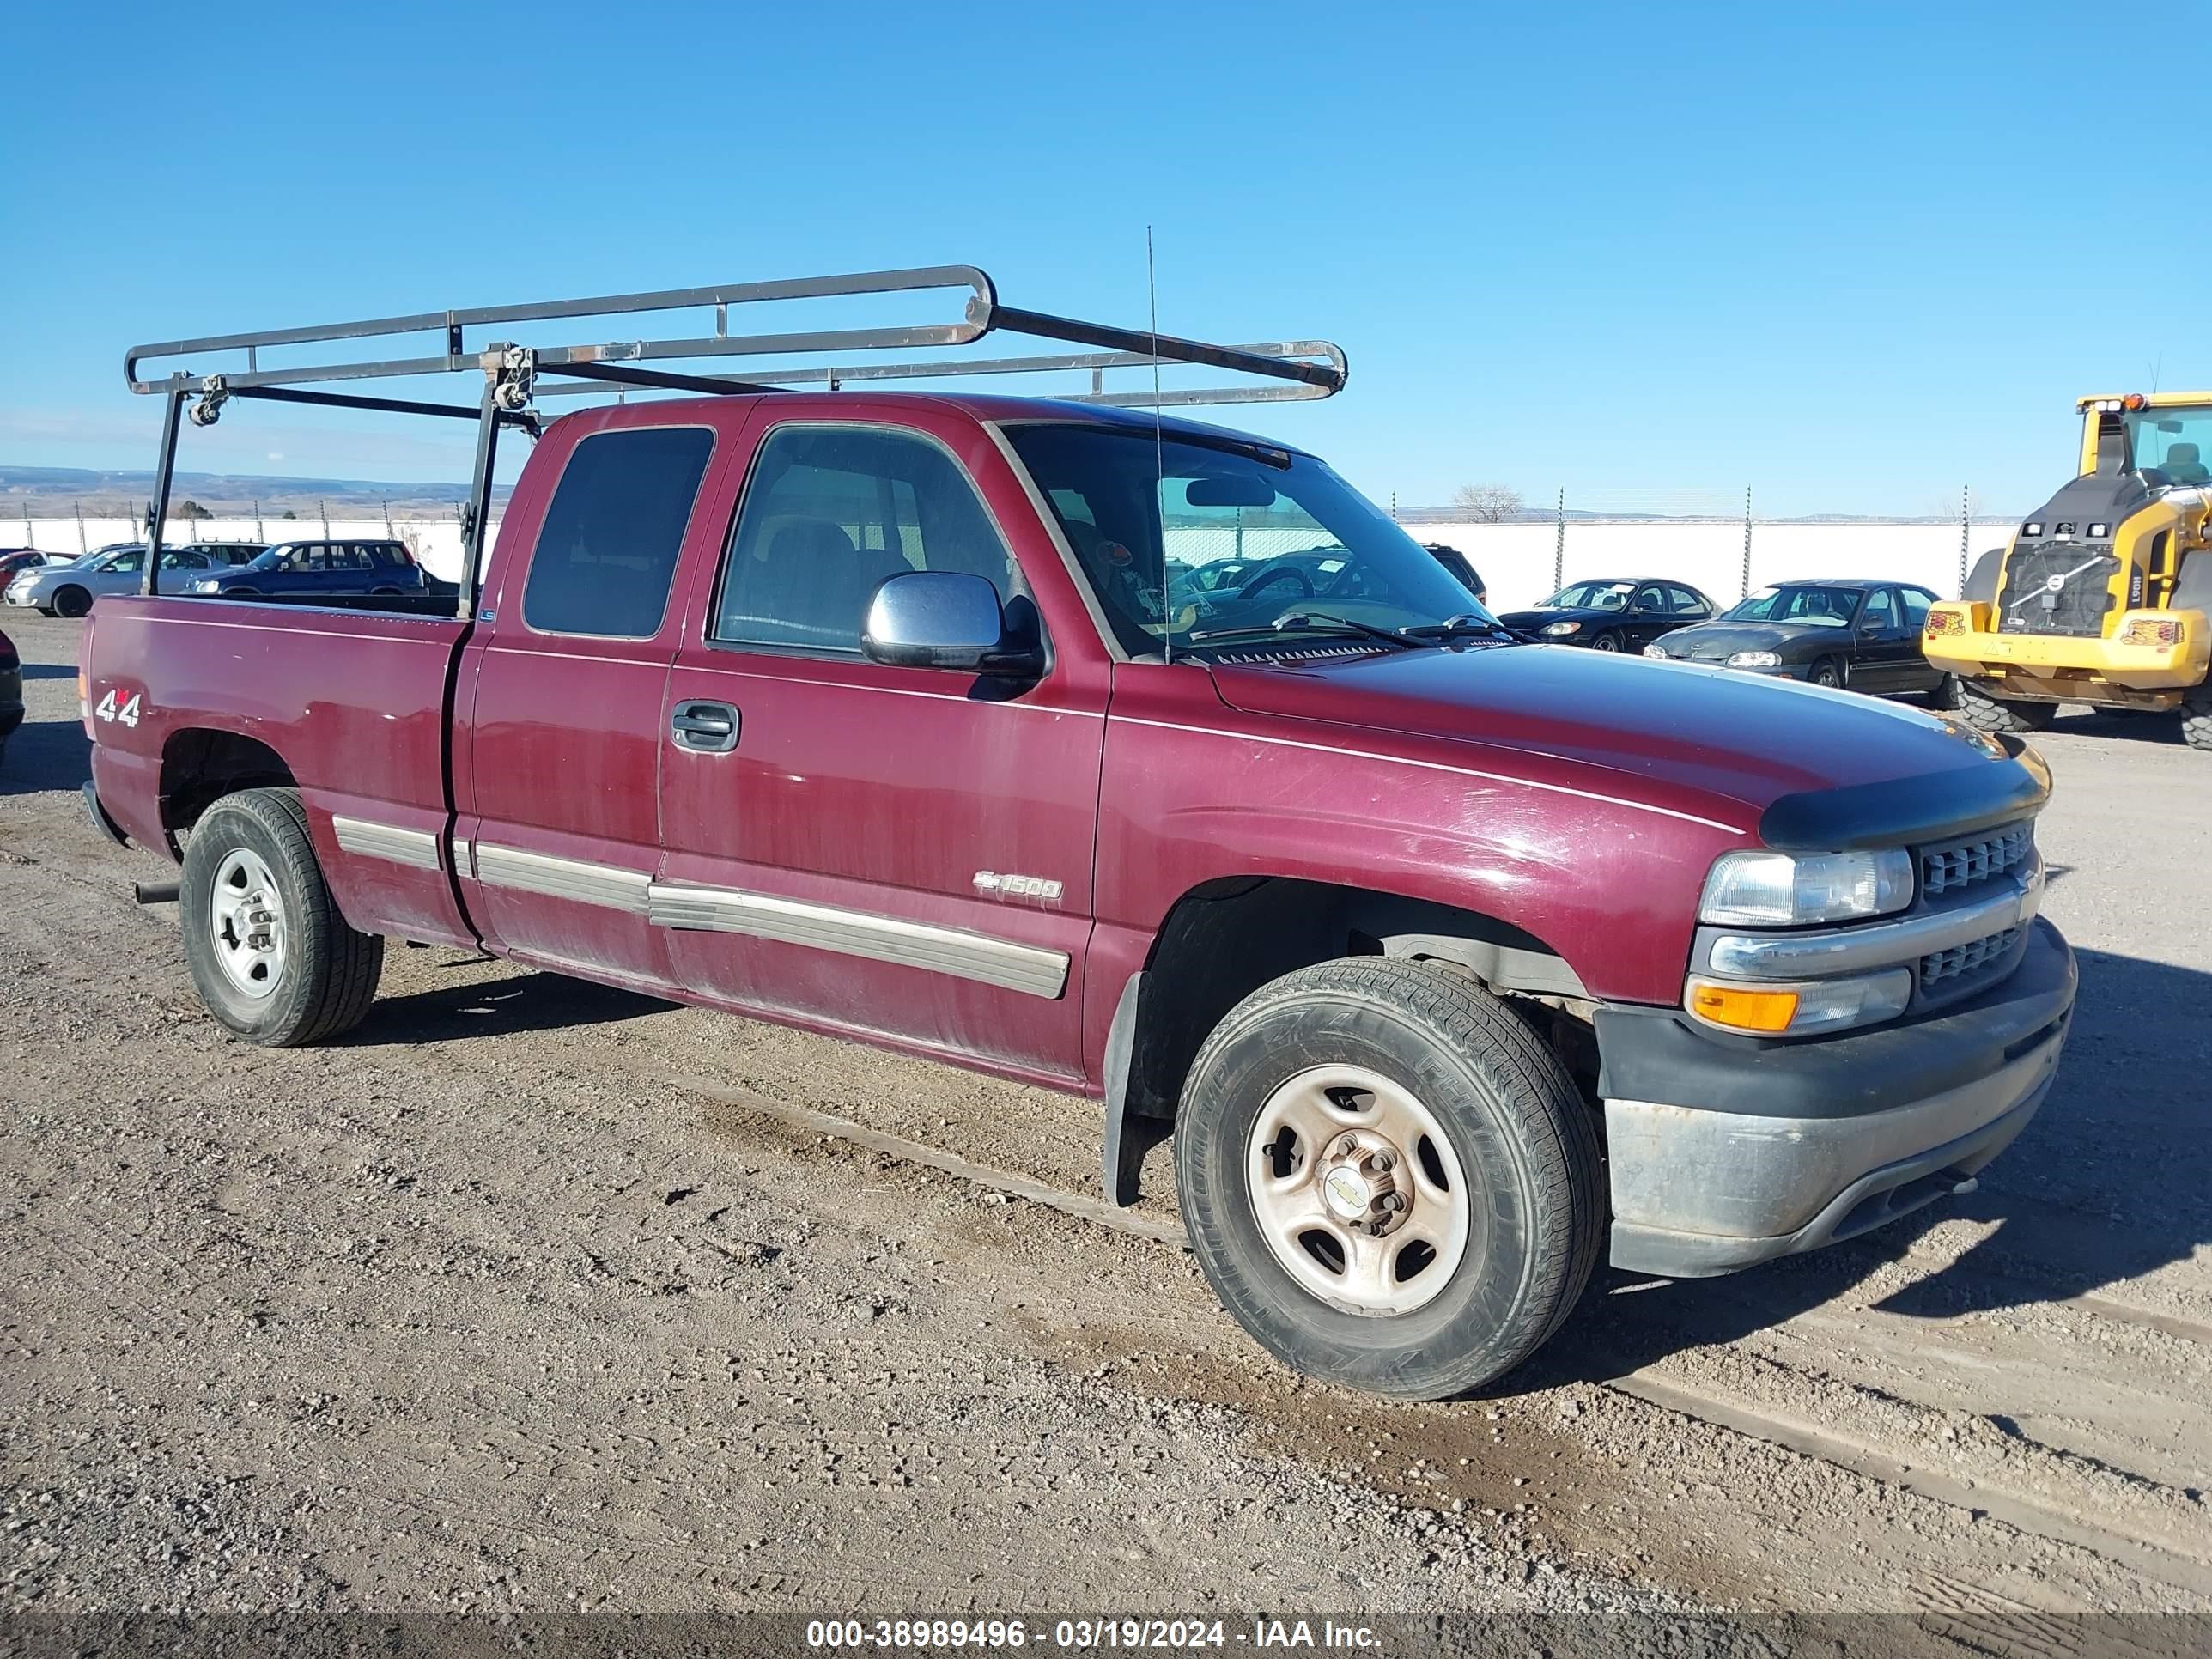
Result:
x=71 y=601
x=1607 y=641
x=1827 y=671
x=241 y=594
x=1518 y=1127
x=330 y=970
x=2196 y=718
x=1949 y=693
x=1987 y=713
x=384 y=592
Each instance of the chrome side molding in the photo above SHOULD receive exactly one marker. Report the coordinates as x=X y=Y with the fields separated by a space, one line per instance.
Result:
x=415 y=848
x=1026 y=969
x=564 y=879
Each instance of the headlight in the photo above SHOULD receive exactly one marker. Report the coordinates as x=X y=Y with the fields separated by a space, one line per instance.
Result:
x=1809 y=1005
x=1754 y=659
x=1558 y=630
x=1653 y=650
x=207 y=588
x=1773 y=890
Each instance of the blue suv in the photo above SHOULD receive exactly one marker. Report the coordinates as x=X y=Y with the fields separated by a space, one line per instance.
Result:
x=315 y=568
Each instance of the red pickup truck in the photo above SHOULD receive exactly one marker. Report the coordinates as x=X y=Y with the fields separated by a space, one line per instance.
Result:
x=1451 y=962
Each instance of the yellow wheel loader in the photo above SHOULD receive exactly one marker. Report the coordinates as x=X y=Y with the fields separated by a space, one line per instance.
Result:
x=2104 y=595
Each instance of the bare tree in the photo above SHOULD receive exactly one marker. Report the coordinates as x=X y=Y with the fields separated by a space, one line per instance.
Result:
x=1487 y=503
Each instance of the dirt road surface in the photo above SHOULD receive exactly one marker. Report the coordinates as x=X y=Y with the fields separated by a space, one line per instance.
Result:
x=533 y=1296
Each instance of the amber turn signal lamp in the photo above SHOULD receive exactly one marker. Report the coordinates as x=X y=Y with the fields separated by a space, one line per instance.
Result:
x=1742 y=1010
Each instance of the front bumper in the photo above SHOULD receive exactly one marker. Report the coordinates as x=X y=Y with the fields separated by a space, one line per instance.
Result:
x=1724 y=1153
x=2070 y=668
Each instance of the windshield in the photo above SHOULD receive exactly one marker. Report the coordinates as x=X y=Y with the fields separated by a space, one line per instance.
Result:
x=1813 y=607
x=2177 y=442
x=1590 y=596
x=1246 y=538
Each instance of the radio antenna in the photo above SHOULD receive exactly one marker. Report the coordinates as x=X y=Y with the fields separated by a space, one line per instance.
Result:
x=1159 y=461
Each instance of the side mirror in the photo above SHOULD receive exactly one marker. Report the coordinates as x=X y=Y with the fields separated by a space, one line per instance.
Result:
x=947 y=619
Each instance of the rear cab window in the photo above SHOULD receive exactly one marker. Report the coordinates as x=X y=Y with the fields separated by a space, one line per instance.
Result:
x=607 y=552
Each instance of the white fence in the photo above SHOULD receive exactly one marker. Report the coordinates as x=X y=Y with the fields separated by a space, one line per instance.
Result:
x=1515 y=559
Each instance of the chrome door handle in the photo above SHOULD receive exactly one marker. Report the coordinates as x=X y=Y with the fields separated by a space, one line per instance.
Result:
x=710 y=728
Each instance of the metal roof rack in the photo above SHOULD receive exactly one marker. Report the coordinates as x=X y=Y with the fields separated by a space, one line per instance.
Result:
x=1286 y=370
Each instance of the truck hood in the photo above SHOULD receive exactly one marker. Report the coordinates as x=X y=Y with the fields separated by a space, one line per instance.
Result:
x=1815 y=768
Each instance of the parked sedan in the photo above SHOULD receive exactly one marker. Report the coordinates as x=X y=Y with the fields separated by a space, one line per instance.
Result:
x=1614 y=613
x=11 y=692
x=1850 y=632
x=68 y=590
x=335 y=568
x=15 y=559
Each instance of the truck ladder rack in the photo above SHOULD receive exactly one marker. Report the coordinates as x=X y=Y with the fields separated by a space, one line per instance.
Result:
x=1289 y=369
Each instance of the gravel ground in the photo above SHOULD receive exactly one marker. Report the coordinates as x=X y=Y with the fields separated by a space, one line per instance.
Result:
x=539 y=1297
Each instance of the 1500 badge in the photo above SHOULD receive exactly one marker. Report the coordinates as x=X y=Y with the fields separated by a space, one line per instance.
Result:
x=1036 y=887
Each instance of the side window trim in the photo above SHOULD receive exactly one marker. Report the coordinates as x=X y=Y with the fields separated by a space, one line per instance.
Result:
x=698 y=493
x=710 y=623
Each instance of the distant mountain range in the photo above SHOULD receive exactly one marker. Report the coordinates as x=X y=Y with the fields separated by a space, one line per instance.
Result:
x=57 y=491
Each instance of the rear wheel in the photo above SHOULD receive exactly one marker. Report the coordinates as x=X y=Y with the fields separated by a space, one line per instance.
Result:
x=2197 y=717
x=1948 y=692
x=71 y=601
x=1829 y=673
x=272 y=958
x=1387 y=1179
x=1987 y=713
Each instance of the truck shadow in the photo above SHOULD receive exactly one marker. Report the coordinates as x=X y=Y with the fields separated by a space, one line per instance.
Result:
x=2109 y=724
x=2112 y=1180
x=45 y=755
x=502 y=1007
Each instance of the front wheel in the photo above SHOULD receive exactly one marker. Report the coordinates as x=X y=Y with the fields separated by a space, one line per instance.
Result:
x=72 y=602
x=1987 y=713
x=273 y=959
x=1949 y=693
x=1387 y=1179
x=1606 y=642
x=2197 y=717
x=1829 y=673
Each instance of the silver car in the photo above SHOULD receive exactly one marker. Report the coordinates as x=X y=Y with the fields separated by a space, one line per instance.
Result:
x=68 y=590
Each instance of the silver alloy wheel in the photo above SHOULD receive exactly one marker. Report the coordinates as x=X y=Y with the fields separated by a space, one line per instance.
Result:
x=1358 y=1191
x=1605 y=642
x=248 y=917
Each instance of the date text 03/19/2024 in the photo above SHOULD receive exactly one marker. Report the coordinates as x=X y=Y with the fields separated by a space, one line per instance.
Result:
x=1080 y=1635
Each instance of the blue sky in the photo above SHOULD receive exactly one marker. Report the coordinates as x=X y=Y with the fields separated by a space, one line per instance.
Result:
x=1852 y=257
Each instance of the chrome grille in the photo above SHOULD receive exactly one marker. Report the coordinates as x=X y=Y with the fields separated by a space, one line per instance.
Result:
x=1961 y=864
x=1962 y=960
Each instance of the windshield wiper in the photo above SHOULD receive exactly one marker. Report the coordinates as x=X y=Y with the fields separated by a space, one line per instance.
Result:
x=1305 y=622
x=1465 y=625
x=1405 y=638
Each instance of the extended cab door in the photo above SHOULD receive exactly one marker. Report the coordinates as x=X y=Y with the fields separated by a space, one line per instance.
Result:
x=896 y=852
x=557 y=768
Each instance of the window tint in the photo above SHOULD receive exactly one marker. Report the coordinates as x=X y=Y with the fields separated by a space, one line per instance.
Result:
x=1880 y=610
x=832 y=511
x=1685 y=603
x=1916 y=606
x=607 y=554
